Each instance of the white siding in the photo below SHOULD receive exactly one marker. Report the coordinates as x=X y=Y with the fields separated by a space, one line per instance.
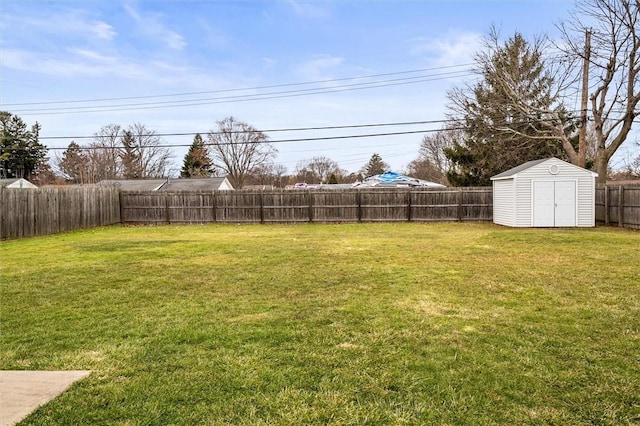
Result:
x=503 y=202
x=522 y=192
x=586 y=202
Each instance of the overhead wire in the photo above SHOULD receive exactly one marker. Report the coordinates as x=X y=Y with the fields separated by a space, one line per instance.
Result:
x=273 y=86
x=245 y=98
x=289 y=129
x=312 y=139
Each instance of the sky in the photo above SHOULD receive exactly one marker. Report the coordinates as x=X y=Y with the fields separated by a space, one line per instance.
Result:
x=178 y=67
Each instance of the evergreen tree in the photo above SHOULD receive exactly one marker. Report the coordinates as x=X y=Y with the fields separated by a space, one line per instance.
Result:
x=375 y=166
x=498 y=135
x=130 y=157
x=21 y=154
x=74 y=164
x=197 y=162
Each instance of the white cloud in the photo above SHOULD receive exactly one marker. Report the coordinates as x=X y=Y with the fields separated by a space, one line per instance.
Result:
x=152 y=26
x=308 y=9
x=210 y=36
x=78 y=63
x=455 y=49
x=103 y=31
x=319 y=68
x=72 y=22
x=269 y=62
x=93 y=55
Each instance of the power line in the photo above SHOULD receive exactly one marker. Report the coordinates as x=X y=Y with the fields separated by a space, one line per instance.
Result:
x=315 y=139
x=274 y=86
x=244 y=98
x=291 y=129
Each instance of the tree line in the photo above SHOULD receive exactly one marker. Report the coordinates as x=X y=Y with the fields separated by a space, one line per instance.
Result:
x=516 y=111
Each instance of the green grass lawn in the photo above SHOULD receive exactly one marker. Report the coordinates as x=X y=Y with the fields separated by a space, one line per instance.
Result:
x=445 y=324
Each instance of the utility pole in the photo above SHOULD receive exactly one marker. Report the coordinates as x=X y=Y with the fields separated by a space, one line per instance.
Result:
x=582 y=140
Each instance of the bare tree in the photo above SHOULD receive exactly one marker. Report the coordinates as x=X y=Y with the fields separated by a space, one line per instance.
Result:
x=269 y=174
x=432 y=163
x=152 y=157
x=115 y=153
x=317 y=170
x=237 y=148
x=614 y=70
x=614 y=88
x=104 y=154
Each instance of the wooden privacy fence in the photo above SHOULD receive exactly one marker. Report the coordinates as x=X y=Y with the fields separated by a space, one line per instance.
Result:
x=297 y=206
x=32 y=212
x=618 y=205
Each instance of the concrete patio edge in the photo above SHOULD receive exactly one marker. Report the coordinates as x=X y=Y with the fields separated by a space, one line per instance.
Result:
x=21 y=392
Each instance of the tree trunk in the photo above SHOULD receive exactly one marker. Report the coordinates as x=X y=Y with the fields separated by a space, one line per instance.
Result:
x=602 y=163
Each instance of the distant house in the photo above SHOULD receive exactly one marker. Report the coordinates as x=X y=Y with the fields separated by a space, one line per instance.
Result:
x=134 y=184
x=19 y=183
x=197 y=184
x=395 y=180
x=170 y=185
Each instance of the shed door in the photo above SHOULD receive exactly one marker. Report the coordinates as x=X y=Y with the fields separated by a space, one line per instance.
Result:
x=554 y=203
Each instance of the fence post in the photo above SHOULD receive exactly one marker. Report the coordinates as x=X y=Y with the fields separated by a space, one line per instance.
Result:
x=166 y=207
x=359 y=200
x=213 y=206
x=607 y=219
x=621 y=206
x=409 y=206
x=459 y=212
x=3 y=234
x=261 y=206
x=120 y=206
x=310 y=195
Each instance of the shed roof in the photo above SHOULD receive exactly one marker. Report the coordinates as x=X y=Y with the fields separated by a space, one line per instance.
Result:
x=515 y=170
x=529 y=164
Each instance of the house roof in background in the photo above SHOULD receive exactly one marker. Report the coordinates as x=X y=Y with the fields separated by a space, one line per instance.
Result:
x=134 y=184
x=166 y=185
x=5 y=183
x=195 y=184
x=395 y=180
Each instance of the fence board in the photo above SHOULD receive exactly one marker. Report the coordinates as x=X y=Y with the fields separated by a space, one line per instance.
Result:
x=381 y=205
x=190 y=207
x=286 y=206
x=295 y=206
x=618 y=205
x=238 y=207
x=335 y=206
x=32 y=212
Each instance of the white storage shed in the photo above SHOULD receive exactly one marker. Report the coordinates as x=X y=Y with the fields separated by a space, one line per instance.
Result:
x=544 y=193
